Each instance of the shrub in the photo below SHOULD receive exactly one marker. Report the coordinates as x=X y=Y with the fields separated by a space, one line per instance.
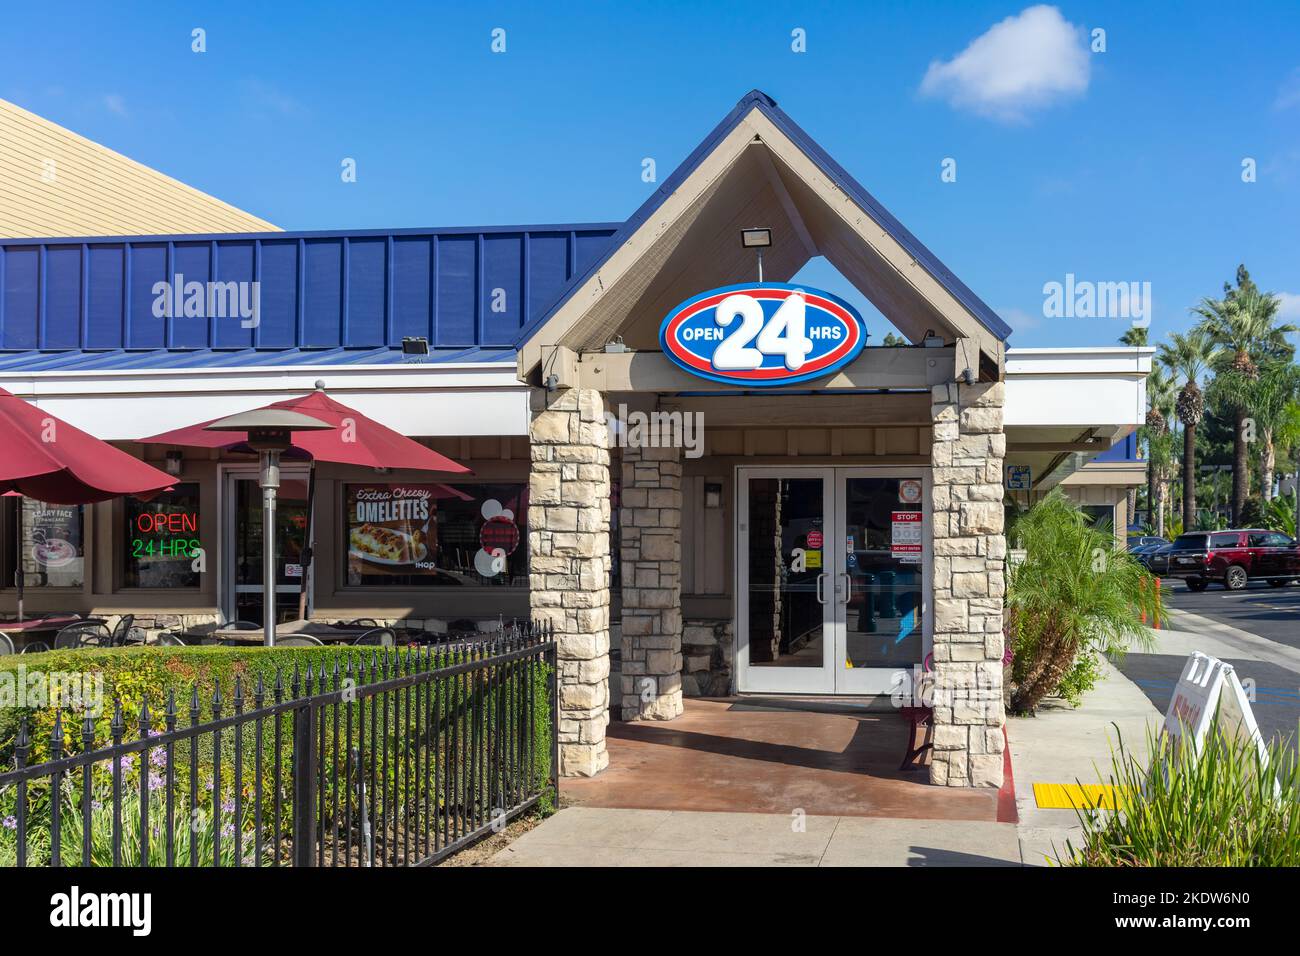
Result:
x=1221 y=809
x=1076 y=591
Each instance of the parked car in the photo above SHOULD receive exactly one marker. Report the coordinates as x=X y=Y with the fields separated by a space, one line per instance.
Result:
x=1154 y=557
x=1233 y=558
x=1142 y=541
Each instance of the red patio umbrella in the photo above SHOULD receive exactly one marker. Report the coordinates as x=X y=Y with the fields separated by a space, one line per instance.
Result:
x=354 y=440
x=49 y=460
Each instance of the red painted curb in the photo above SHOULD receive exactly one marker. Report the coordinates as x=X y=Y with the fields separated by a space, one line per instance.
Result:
x=1007 y=793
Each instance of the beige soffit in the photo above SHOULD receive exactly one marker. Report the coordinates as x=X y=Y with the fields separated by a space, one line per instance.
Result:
x=56 y=183
x=754 y=176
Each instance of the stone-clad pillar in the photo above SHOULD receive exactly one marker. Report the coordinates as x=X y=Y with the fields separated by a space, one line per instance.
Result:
x=650 y=527
x=569 y=564
x=969 y=555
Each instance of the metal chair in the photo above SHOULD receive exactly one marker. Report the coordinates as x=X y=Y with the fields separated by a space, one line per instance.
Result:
x=34 y=647
x=299 y=640
x=240 y=626
x=122 y=633
x=83 y=634
x=379 y=636
x=6 y=645
x=170 y=639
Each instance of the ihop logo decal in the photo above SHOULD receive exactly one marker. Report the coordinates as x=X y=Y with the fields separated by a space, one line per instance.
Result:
x=766 y=333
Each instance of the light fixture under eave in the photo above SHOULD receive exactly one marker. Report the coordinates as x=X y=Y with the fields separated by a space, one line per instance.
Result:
x=174 y=463
x=757 y=238
x=415 y=345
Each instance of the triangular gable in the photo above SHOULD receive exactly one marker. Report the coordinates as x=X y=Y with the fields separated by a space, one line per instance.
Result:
x=758 y=168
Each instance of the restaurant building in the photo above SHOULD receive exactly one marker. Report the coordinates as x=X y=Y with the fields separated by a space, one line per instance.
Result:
x=828 y=535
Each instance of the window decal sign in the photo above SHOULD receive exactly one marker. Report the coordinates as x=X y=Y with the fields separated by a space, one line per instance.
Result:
x=760 y=334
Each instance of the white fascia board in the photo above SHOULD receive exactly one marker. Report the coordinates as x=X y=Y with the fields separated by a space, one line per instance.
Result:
x=1100 y=388
x=462 y=399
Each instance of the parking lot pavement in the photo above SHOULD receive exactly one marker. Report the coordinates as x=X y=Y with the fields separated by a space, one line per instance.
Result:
x=1256 y=630
x=1267 y=612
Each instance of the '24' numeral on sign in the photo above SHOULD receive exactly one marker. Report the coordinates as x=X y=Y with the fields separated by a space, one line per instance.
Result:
x=784 y=334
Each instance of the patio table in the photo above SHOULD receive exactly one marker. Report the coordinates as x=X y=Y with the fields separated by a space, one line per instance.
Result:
x=32 y=630
x=325 y=633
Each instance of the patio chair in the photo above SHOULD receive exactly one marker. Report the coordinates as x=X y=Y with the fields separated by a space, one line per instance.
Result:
x=126 y=632
x=920 y=713
x=34 y=647
x=379 y=636
x=170 y=639
x=6 y=645
x=299 y=640
x=83 y=634
x=360 y=622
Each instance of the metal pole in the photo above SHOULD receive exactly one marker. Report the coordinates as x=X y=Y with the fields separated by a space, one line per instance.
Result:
x=270 y=481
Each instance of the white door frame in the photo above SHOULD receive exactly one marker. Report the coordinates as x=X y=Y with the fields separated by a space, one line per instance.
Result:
x=227 y=475
x=833 y=677
x=766 y=678
x=879 y=680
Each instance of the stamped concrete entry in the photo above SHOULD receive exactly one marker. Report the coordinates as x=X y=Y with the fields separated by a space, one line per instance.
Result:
x=752 y=756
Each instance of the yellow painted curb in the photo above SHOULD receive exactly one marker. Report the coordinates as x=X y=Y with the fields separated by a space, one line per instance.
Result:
x=1073 y=796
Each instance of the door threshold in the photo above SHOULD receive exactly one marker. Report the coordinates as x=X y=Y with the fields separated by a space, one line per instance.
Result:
x=816 y=703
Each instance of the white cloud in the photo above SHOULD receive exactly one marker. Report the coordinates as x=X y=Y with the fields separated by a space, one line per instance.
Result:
x=115 y=103
x=1019 y=319
x=1288 y=94
x=1023 y=63
x=1289 y=309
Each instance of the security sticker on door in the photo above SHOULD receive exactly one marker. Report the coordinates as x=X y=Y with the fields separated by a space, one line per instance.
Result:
x=905 y=540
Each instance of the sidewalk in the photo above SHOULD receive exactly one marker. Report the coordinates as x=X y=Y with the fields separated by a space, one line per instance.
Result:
x=1067 y=745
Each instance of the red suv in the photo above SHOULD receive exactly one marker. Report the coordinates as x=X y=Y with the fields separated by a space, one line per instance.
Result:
x=1233 y=558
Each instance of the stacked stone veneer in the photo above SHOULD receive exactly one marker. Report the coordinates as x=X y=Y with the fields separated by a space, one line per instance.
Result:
x=708 y=648
x=651 y=556
x=569 y=563
x=969 y=584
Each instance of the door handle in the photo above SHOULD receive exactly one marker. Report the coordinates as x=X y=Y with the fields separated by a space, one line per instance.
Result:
x=821 y=588
x=848 y=586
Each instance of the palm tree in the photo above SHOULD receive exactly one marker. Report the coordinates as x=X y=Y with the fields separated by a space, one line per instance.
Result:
x=1270 y=395
x=1160 y=398
x=1073 y=593
x=1135 y=336
x=1189 y=355
x=1243 y=324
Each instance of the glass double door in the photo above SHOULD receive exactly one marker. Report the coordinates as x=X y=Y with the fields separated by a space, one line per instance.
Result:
x=833 y=579
x=244 y=598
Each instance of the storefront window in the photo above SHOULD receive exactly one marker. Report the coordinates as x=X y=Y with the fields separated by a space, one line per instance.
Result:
x=162 y=539
x=50 y=544
x=418 y=535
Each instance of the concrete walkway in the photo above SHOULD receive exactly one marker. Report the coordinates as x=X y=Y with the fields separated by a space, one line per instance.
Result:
x=599 y=836
x=1060 y=745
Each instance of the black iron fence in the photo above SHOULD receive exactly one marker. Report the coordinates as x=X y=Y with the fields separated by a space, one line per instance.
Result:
x=384 y=758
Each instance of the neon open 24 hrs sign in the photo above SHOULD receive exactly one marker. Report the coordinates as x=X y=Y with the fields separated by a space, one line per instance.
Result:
x=766 y=333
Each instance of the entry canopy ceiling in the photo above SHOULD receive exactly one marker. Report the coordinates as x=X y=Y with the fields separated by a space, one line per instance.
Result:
x=758 y=168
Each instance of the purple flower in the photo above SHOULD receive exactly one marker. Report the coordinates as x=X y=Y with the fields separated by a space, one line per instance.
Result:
x=96 y=805
x=155 y=781
x=228 y=830
x=126 y=763
x=228 y=806
x=11 y=822
x=158 y=757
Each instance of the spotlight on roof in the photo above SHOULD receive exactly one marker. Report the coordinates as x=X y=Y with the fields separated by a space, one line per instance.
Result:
x=755 y=238
x=415 y=345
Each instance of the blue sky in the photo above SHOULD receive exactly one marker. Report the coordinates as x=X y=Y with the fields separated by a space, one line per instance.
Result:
x=1117 y=166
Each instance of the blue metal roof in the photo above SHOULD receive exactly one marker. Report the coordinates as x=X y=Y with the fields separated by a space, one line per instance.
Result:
x=766 y=105
x=123 y=360
x=462 y=289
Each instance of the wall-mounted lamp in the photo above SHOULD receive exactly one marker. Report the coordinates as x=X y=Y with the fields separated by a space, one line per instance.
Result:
x=174 y=463
x=758 y=238
x=713 y=494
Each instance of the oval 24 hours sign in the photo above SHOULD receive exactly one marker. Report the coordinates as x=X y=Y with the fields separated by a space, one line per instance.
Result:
x=766 y=333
